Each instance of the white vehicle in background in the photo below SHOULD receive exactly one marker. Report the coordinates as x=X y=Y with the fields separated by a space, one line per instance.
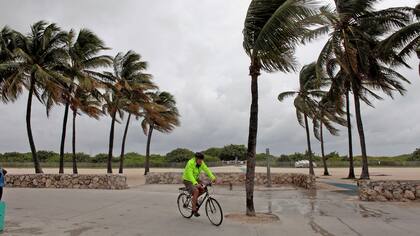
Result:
x=303 y=164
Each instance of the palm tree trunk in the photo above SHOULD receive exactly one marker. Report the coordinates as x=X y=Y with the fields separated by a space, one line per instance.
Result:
x=74 y=143
x=252 y=139
x=111 y=143
x=37 y=165
x=351 y=161
x=121 y=170
x=149 y=139
x=308 y=140
x=365 y=170
x=418 y=55
x=63 y=138
x=324 y=161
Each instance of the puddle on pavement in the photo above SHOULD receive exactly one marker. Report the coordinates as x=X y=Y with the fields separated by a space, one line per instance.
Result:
x=260 y=218
x=346 y=192
x=28 y=230
x=78 y=231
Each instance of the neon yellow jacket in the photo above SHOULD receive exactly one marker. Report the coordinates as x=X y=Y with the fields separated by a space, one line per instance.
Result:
x=192 y=172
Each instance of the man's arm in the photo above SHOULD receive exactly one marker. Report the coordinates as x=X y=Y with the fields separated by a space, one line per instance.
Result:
x=208 y=172
x=189 y=174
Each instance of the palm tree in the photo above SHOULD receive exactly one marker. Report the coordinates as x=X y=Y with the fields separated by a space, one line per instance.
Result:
x=8 y=90
x=112 y=106
x=342 y=85
x=33 y=67
x=405 y=41
x=137 y=83
x=83 y=50
x=162 y=116
x=271 y=32
x=356 y=30
x=307 y=106
x=126 y=68
x=329 y=108
x=87 y=101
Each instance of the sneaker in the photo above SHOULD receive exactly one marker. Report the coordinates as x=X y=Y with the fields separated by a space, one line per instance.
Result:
x=196 y=214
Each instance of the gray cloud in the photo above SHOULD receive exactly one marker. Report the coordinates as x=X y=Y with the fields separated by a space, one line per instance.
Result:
x=195 y=52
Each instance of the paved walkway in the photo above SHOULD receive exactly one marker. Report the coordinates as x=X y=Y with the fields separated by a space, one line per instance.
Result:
x=151 y=210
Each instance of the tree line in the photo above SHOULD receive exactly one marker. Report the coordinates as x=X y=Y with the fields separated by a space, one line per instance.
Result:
x=68 y=68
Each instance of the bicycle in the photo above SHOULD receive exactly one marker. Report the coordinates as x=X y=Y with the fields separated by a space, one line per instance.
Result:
x=213 y=208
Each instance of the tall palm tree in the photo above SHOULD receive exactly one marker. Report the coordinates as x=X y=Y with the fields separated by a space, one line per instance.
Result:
x=137 y=83
x=119 y=82
x=35 y=58
x=329 y=108
x=112 y=106
x=307 y=105
x=162 y=116
x=88 y=101
x=356 y=30
x=83 y=50
x=272 y=29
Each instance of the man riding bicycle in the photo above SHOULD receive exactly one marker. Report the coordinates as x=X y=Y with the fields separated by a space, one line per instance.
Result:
x=191 y=177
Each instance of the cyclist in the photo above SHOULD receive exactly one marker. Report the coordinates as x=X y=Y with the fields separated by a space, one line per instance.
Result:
x=192 y=181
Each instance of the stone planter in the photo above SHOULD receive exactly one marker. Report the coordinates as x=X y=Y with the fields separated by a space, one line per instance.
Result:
x=389 y=190
x=299 y=180
x=111 y=181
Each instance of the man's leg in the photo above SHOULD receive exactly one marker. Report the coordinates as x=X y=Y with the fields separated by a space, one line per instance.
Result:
x=195 y=194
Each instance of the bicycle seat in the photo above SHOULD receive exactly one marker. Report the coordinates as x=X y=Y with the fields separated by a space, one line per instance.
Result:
x=183 y=189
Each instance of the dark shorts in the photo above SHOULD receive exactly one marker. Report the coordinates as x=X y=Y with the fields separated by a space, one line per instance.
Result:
x=190 y=186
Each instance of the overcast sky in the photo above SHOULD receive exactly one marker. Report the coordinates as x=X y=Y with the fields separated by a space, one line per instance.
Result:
x=194 y=49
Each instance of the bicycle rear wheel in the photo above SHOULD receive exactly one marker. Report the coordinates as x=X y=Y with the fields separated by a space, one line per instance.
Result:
x=214 y=211
x=185 y=205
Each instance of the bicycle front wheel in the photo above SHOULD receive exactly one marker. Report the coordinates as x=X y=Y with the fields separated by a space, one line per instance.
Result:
x=214 y=212
x=185 y=205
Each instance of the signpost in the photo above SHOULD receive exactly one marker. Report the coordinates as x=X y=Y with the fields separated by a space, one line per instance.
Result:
x=267 y=152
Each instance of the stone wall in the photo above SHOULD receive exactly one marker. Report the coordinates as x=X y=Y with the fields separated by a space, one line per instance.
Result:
x=299 y=180
x=67 y=181
x=389 y=190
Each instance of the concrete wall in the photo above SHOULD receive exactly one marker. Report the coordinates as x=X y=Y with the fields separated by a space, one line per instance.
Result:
x=299 y=180
x=67 y=181
x=389 y=190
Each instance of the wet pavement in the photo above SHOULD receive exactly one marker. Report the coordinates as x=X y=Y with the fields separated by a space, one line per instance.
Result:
x=152 y=210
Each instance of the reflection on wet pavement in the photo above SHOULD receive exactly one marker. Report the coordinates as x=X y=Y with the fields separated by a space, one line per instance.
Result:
x=145 y=209
x=323 y=208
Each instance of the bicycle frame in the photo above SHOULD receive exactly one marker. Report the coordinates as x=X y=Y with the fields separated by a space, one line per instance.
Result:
x=199 y=204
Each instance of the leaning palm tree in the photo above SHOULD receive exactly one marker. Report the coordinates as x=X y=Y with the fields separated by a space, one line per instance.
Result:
x=83 y=50
x=119 y=90
x=87 y=100
x=136 y=85
x=341 y=85
x=329 y=108
x=271 y=32
x=114 y=103
x=162 y=116
x=35 y=58
x=307 y=105
x=354 y=42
